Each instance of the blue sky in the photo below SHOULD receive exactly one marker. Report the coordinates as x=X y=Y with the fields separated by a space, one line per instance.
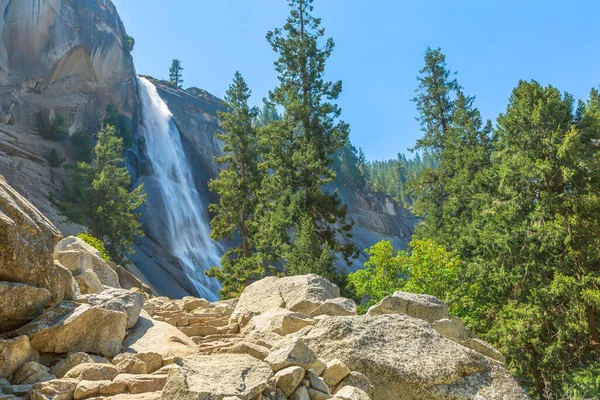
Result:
x=379 y=51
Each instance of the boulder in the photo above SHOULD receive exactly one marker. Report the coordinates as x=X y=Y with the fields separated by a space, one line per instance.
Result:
x=86 y=389
x=150 y=336
x=358 y=380
x=27 y=240
x=189 y=303
x=317 y=383
x=300 y=394
x=93 y=372
x=128 y=363
x=335 y=372
x=337 y=307
x=72 y=327
x=14 y=353
x=406 y=359
x=288 y=379
x=255 y=350
x=31 y=372
x=20 y=303
x=153 y=361
x=117 y=300
x=422 y=306
x=142 y=383
x=217 y=377
x=88 y=282
x=484 y=348
x=73 y=360
x=452 y=328
x=280 y=321
x=300 y=293
x=82 y=257
x=56 y=389
x=314 y=394
x=291 y=352
x=351 y=393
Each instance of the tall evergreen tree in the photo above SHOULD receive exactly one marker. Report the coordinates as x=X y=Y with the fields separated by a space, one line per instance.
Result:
x=175 y=73
x=299 y=150
x=237 y=186
x=100 y=196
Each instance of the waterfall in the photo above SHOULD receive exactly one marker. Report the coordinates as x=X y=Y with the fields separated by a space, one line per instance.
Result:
x=188 y=229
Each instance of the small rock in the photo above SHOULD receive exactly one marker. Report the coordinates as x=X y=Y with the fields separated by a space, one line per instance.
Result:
x=57 y=389
x=337 y=307
x=31 y=372
x=291 y=352
x=141 y=383
x=317 y=382
x=352 y=393
x=357 y=380
x=74 y=359
x=14 y=353
x=300 y=394
x=93 y=372
x=280 y=321
x=422 y=306
x=153 y=361
x=128 y=363
x=252 y=349
x=288 y=379
x=335 y=372
x=88 y=283
x=317 y=395
x=87 y=389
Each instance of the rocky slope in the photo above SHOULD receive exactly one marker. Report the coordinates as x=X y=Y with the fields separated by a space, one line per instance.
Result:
x=73 y=326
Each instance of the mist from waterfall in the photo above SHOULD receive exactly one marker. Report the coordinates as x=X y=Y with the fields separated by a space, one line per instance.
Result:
x=188 y=228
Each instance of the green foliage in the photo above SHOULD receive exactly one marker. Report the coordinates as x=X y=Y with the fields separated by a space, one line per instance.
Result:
x=113 y=117
x=100 y=197
x=49 y=130
x=95 y=243
x=175 y=73
x=425 y=268
x=54 y=159
x=84 y=145
x=237 y=185
x=298 y=151
x=129 y=44
x=267 y=115
x=582 y=382
x=350 y=166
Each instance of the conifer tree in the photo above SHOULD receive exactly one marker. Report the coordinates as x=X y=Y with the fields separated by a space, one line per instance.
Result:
x=237 y=186
x=299 y=150
x=175 y=73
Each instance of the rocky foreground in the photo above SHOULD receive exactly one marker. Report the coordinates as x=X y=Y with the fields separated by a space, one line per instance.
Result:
x=73 y=326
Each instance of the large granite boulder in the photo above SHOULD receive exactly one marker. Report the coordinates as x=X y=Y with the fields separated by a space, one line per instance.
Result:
x=71 y=327
x=117 y=300
x=20 y=303
x=151 y=336
x=279 y=321
x=27 y=240
x=406 y=359
x=301 y=293
x=422 y=306
x=217 y=377
x=78 y=256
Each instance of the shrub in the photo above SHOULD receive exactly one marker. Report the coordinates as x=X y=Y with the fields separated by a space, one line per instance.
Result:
x=129 y=44
x=95 y=243
x=83 y=144
x=54 y=159
x=49 y=130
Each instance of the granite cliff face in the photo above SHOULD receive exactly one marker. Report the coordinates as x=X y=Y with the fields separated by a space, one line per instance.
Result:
x=57 y=57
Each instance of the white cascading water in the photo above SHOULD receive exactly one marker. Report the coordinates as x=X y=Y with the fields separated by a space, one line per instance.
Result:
x=188 y=237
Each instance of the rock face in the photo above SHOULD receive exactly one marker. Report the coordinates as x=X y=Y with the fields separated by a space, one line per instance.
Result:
x=217 y=377
x=27 y=240
x=419 y=364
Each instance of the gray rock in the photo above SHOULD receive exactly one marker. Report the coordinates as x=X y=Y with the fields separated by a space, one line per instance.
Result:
x=288 y=379
x=72 y=327
x=352 y=393
x=31 y=372
x=405 y=359
x=73 y=360
x=123 y=300
x=217 y=377
x=358 y=380
x=20 y=303
x=291 y=352
x=337 y=307
x=14 y=353
x=421 y=306
x=27 y=240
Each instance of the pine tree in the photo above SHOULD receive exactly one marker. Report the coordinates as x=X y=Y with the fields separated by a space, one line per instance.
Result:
x=175 y=73
x=100 y=196
x=299 y=150
x=237 y=186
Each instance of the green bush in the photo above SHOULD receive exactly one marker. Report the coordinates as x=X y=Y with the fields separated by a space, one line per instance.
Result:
x=95 y=243
x=49 y=130
x=54 y=159
x=129 y=44
x=114 y=118
x=83 y=144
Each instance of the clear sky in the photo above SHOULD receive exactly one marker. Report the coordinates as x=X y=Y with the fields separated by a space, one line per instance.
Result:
x=379 y=51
